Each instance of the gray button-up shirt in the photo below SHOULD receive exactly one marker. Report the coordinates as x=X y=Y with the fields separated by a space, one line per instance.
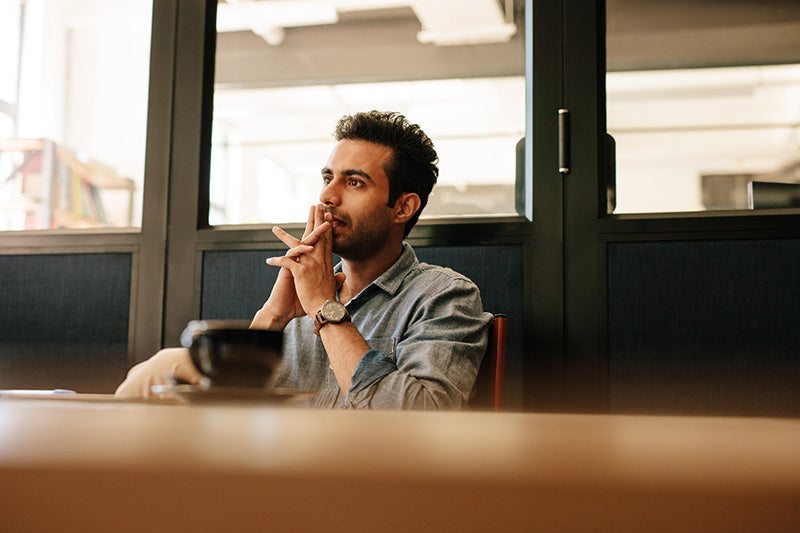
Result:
x=427 y=333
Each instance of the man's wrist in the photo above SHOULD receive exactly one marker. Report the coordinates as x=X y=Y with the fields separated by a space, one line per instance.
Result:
x=331 y=312
x=265 y=319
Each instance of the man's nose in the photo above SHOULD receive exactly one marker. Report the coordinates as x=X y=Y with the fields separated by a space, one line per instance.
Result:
x=330 y=193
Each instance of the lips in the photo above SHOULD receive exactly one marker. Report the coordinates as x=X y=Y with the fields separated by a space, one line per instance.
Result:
x=337 y=226
x=336 y=222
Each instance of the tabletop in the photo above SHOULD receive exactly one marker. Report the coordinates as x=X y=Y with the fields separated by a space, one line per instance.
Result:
x=106 y=465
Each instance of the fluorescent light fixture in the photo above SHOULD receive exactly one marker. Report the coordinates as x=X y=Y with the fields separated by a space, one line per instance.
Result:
x=444 y=22
x=268 y=19
x=456 y=22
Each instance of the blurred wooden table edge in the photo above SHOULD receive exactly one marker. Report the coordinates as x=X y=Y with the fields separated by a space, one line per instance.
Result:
x=106 y=465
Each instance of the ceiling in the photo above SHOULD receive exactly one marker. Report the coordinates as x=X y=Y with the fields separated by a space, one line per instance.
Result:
x=377 y=40
x=373 y=41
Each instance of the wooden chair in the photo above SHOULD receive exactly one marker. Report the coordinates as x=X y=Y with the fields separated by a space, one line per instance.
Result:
x=489 y=383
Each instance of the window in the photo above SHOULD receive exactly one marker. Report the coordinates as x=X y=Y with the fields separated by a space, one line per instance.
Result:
x=702 y=100
x=10 y=21
x=287 y=71
x=73 y=111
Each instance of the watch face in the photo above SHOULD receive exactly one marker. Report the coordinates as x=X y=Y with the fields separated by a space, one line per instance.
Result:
x=333 y=311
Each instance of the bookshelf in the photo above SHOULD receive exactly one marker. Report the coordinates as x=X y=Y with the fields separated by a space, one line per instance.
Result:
x=51 y=187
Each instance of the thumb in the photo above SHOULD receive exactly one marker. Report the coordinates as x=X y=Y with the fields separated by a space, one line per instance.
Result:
x=339 y=278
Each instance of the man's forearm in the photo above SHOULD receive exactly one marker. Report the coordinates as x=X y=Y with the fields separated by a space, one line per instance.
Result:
x=265 y=319
x=345 y=347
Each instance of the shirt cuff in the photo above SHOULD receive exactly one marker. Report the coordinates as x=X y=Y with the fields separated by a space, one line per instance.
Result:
x=373 y=367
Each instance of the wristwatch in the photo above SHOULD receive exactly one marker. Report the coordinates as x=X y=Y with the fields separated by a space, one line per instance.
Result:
x=332 y=312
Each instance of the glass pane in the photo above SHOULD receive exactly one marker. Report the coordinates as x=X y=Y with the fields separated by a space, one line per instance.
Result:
x=287 y=71
x=702 y=99
x=73 y=113
x=10 y=17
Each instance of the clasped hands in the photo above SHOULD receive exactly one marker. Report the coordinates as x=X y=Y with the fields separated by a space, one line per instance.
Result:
x=306 y=279
x=305 y=282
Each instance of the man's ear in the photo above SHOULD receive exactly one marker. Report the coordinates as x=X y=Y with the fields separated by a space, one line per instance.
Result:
x=406 y=205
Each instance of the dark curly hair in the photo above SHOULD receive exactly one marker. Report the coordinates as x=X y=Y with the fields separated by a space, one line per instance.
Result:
x=413 y=167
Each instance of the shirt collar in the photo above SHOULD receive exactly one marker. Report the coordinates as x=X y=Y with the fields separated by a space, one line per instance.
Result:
x=393 y=277
x=391 y=280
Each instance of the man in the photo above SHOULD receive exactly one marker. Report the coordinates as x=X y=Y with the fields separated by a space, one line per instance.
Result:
x=381 y=330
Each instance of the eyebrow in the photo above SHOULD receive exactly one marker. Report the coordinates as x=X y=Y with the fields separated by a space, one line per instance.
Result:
x=349 y=172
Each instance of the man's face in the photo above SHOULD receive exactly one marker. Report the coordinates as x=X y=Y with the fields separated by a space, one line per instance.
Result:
x=355 y=191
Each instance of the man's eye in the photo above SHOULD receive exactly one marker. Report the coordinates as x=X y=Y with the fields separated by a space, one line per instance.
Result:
x=354 y=182
x=326 y=179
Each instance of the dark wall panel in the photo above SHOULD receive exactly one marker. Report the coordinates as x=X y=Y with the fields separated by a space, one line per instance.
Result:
x=64 y=320
x=236 y=284
x=709 y=327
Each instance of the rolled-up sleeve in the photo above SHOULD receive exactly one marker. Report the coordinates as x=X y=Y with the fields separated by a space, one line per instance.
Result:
x=437 y=354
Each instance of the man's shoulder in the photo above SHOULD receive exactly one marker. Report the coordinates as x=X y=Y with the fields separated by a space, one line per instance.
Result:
x=411 y=275
x=436 y=272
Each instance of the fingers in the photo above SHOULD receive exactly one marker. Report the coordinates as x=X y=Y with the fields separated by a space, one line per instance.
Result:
x=319 y=215
x=310 y=238
x=297 y=251
x=310 y=223
x=327 y=238
x=314 y=219
x=339 y=278
x=293 y=254
x=174 y=362
x=283 y=261
x=314 y=236
x=287 y=239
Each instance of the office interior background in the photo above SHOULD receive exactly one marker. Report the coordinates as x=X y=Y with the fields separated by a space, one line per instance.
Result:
x=147 y=147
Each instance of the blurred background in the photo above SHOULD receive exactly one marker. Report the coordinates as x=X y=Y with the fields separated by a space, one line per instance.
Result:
x=702 y=97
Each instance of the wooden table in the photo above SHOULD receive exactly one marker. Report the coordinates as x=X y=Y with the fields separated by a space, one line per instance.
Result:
x=68 y=465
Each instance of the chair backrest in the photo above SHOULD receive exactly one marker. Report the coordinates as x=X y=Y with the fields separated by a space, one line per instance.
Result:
x=489 y=383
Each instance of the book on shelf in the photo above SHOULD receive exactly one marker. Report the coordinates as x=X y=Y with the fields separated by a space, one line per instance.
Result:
x=72 y=186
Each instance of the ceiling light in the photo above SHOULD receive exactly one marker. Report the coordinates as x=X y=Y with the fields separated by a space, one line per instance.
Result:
x=268 y=19
x=456 y=22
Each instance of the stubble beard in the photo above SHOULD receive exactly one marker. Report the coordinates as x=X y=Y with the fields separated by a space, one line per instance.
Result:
x=363 y=239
